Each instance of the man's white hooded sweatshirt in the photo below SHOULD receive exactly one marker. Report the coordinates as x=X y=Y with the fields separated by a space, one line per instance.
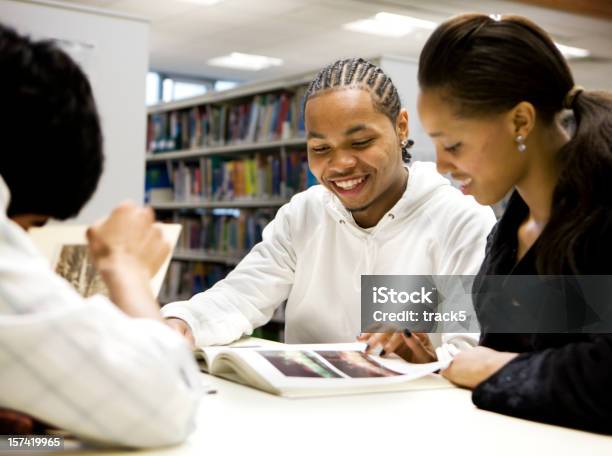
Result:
x=313 y=255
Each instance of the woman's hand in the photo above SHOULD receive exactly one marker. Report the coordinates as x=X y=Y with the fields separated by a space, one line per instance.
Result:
x=413 y=347
x=472 y=366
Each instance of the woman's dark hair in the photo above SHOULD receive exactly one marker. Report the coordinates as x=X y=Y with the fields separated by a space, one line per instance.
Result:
x=360 y=73
x=51 y=151
x=484 y=66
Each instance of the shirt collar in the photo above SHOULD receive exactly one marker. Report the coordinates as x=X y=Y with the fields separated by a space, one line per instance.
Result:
x=342 y=213
x=501 y=259
x=513 y=216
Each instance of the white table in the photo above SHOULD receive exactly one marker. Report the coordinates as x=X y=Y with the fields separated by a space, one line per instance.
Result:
x=242 y=421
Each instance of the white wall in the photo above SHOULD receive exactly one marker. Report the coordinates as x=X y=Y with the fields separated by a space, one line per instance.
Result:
x=403 y=72
x=592 y=75
x=113 y=51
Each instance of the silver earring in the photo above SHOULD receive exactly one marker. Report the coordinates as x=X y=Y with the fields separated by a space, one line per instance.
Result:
x=522 y=147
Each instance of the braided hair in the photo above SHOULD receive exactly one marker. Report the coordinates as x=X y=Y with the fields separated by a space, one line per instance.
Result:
x=359 y=73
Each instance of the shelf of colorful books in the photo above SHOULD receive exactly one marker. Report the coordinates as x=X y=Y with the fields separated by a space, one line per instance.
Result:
x=185 y=279
x=230 y=125
x=254 y=179
x=217 y=239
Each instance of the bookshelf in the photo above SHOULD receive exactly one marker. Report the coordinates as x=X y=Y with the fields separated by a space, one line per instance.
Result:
x=221 y=165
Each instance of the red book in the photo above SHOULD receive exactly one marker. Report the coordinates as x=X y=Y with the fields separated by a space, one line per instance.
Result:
x=282 y=115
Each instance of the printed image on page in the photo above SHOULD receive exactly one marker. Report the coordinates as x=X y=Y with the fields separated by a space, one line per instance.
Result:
x=356 y=364
x=76 y=266
x=293 y=363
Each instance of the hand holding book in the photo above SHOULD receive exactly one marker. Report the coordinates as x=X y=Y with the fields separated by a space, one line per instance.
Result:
x=127 y=248
x=128 y=234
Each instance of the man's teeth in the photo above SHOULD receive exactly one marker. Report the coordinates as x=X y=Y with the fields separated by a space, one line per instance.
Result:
x=465 y=182
x=349 y=184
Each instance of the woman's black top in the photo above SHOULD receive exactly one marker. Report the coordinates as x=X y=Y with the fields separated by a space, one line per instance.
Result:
x=563 y=379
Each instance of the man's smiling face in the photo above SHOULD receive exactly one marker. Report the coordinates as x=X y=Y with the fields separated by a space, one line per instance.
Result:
x=353 y=149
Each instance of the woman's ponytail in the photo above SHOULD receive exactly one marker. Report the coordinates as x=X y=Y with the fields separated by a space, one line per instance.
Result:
x=582 y=200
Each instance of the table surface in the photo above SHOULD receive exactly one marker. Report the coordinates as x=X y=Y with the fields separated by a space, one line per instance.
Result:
x=239 y=420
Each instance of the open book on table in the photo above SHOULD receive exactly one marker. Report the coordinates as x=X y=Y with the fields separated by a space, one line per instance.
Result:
x=316 y=369
x=65 y=246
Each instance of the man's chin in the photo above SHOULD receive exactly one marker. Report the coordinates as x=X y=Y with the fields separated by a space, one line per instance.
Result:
x=357 y=208
x=352 y=206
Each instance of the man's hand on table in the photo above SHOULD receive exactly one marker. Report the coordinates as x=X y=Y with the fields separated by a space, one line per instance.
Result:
x=182 y=328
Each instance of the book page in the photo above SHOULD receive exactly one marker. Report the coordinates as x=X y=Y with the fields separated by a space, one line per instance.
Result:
x=206 y=355
x=65 y=246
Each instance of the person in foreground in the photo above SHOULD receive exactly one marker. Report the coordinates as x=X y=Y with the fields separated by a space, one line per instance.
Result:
x=95 y=368
x=372 y=214
x=493 y=91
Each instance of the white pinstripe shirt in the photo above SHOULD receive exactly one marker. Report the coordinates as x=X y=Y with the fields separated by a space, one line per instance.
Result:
x=82 y=364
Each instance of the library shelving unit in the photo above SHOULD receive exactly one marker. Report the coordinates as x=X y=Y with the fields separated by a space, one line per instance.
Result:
x=221 y=165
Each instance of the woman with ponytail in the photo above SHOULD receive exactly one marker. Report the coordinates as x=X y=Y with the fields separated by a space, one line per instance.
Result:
x=494 y=91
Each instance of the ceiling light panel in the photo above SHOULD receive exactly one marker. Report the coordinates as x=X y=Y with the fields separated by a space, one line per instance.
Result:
x=389 y=24
x=249 y=62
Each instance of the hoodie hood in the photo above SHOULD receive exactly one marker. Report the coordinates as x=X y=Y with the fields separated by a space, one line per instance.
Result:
x=423 y=181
